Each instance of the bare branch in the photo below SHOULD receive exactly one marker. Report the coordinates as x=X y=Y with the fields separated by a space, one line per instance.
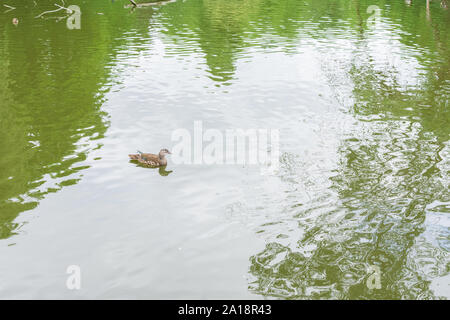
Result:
x=52 y=11
x=10 y=8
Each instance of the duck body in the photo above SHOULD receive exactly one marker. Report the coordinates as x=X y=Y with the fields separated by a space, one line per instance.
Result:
x=150 y=159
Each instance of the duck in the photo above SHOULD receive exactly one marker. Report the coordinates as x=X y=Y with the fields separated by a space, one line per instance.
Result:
x=150 y=159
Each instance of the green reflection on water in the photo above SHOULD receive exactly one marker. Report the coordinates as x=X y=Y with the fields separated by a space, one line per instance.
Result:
x=52 y=88
x=385 y=181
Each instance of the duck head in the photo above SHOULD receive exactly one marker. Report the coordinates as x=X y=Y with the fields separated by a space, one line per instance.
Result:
x=163 y=153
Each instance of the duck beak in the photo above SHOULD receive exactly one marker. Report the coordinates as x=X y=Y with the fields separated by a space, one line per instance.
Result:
x=168 y=152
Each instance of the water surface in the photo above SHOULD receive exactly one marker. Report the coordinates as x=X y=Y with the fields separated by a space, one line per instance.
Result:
x=361 y=102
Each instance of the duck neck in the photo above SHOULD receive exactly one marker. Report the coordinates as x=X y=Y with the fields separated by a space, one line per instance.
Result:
x=162 y=160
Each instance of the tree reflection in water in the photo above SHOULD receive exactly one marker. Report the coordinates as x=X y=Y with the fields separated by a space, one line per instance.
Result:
x=388 y=194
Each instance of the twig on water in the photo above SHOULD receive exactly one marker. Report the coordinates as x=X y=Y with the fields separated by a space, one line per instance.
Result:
x=148 y=4
x=56 y=10
x=10 y=8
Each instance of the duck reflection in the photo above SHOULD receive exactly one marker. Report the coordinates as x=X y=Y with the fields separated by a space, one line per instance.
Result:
x=161 y=169
x=163 y=172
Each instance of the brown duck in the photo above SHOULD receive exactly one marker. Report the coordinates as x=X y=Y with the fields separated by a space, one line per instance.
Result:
x=149 y=159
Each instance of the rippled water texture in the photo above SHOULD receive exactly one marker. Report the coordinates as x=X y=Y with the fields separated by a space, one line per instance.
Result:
x=359 y=94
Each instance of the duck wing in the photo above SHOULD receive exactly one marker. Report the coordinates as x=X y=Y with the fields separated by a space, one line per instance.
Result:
x=149 y=159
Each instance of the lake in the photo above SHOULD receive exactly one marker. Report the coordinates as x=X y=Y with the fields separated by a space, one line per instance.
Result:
x=358 y=206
